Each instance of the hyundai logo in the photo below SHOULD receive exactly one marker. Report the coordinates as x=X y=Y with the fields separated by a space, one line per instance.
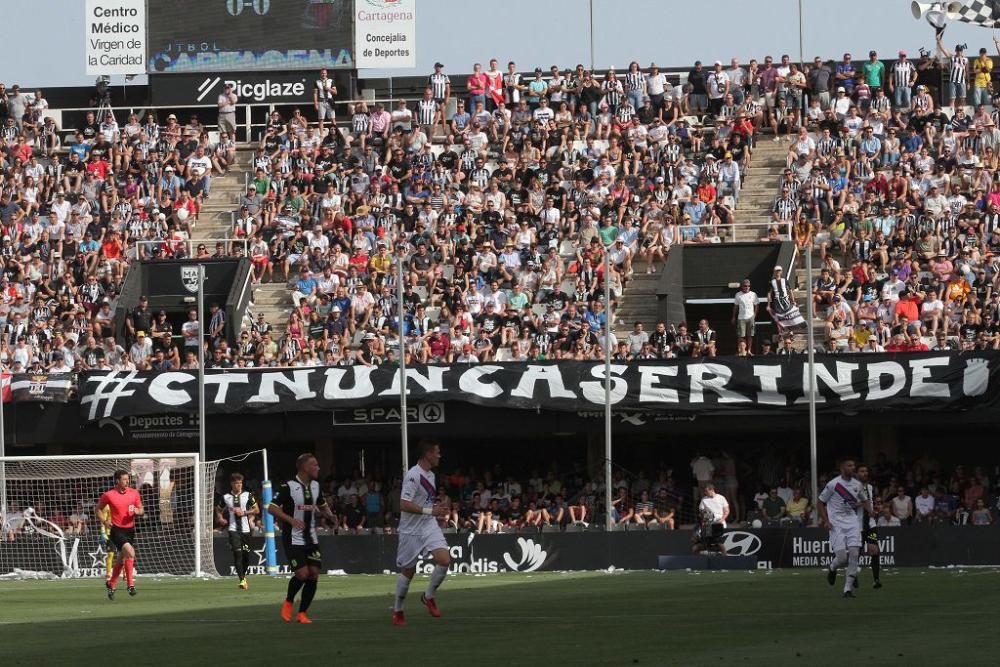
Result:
x=739 y=543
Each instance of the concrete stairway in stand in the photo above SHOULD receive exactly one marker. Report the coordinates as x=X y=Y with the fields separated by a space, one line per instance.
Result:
x=638 y=303
x=760 y=187
x=215 y=221
x=274 y=300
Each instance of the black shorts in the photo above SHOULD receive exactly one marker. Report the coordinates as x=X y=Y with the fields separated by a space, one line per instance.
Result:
x=871 y=536
x=301 y=556
x=119 y=537
x=239 y=541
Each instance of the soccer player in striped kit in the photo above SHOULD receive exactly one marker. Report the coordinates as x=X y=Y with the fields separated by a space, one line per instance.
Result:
x=296 y=504
x=419 y=531
x=869 y=534
x=235 y=511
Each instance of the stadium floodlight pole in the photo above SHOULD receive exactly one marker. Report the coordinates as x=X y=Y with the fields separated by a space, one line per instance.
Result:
x=607 y=388
x=198 y=514
x=811 y=357
x=3 y=452
x=201 y=362
x=403 y=420
x=802 y=60
x=591 y=35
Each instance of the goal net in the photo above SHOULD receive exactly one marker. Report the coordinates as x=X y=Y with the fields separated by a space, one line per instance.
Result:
x=48 y=526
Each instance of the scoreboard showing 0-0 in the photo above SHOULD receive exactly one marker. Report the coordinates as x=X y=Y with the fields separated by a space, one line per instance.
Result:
x=248 y=35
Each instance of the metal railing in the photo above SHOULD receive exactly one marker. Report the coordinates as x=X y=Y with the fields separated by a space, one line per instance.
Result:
x=229 y=244
x=247 y=125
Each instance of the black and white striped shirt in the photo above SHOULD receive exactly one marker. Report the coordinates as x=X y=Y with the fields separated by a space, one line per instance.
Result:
x=300 y=501
x=612 y=92
x=426 y=112
x=881 y=103
x=729 y=110
x=958 y=67
x=242 y=501
x=863 y=249
x=480 y=176
x=826 y=147
x=634 y=81
x=792 y=185
x=360 y=122
x=902 y=73
x=438 y=82
x=784 y=208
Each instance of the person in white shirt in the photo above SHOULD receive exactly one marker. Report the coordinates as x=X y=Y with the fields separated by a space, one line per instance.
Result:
x=227 y=110
x=703 y=469
x=715 y=505
x=656 y=84
x=888 y=518
x=737 y=81
x=840 y=505
x=420 y=532
x=924 y=504
x=745 y=305
x=902 y=505
x=200 y=164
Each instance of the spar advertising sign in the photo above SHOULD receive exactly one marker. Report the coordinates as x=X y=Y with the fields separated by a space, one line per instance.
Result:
x=385 y=33
x=115 y=37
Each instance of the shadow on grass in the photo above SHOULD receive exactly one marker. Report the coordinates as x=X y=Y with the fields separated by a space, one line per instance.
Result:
x=635 y=618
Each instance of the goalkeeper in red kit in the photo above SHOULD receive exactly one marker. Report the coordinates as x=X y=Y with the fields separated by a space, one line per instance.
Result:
x=126 y=505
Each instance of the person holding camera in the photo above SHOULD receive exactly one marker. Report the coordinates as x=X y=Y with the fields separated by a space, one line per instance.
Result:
x=715 y=505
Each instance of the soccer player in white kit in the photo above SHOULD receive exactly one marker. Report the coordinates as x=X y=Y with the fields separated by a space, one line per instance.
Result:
x=840 y=505
x=419 y=532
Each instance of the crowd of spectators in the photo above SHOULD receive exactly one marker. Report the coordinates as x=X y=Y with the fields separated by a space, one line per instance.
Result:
x=501 y=199
x=501 y=205
x=76 y=208
x=772 y=489
x=767 y=490
x=899 y=193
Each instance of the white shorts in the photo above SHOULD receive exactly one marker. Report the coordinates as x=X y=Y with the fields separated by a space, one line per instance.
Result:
x=412 y=546
x=843 y=538
x=326 y=111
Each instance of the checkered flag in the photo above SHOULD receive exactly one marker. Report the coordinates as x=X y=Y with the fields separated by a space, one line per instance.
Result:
x=985 y=13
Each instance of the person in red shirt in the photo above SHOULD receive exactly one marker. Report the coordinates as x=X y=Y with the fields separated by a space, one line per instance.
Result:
x=907 y=306
x=916 y=345
x=126 y=505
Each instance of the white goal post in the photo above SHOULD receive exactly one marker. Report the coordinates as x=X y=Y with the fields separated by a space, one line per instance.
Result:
x=48 y=526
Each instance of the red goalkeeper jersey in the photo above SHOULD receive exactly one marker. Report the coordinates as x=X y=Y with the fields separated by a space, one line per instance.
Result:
x=122 y=506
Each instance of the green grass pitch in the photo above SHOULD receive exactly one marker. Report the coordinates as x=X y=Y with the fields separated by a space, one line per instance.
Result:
x=920 y=617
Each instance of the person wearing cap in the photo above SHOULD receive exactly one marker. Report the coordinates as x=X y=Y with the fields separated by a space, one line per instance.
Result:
x=901 y=81
x=982 y=76
x=226 y=102
x=142 y=348
x=717 y=85
x=958 y=68
x=873 y=71
x=781 y=302
x=745 y=309
x=698 y=95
